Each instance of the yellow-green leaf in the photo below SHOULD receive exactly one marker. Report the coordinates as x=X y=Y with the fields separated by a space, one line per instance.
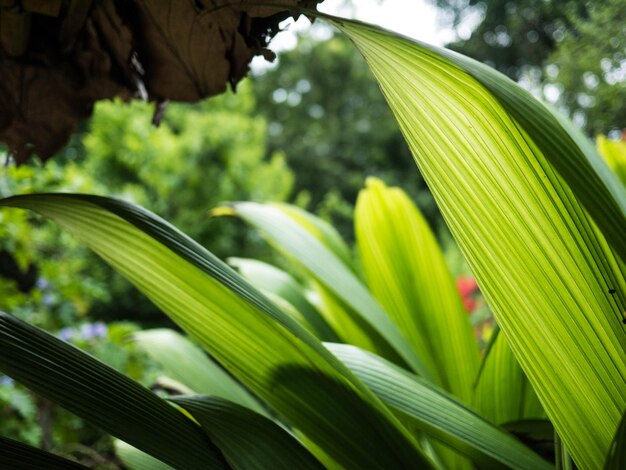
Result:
x=511 y=179
x=503 y=393
x=293 y=239
x=614 y=152
x=406 y=271
x=342 y=421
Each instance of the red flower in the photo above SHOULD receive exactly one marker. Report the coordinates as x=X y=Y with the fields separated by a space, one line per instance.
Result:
x=467 y=287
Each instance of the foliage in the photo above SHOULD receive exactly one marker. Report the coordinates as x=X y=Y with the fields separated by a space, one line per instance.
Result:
x=56 y=289
x=576 y=47
x=334 y=135
x=589 y=67
x=336 y=416
x=38 y=422
x=166 y=169
x=53 y=282
x=540 y=219
x=513 y=36
x=507 y=175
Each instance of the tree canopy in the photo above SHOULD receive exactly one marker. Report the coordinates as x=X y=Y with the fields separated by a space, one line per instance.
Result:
x=576 y=47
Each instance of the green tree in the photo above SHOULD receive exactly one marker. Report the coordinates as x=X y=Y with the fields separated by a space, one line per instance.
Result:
x=199 y=156
x=575 y=47
x=589 y=67
x=514 y=37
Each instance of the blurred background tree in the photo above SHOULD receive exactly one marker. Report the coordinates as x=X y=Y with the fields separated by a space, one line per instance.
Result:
x=589 y=69
x=200 y=155
x=573 y=52
x=334 y=135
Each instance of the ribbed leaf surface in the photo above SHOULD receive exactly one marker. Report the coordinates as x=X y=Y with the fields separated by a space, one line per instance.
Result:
x=248 y=440
x=503 y=393
x=437 y=413
x=15 y=455
x=267 y=351
x=101 y=395
x=406 y=271
x=134 y=459
x=269 y=278
x=320 y=229
x=189 y=365
x=506 y=173
x=321 y=262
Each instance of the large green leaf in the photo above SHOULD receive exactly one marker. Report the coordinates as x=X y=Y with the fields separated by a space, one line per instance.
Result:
x=320 y=229
x=275 y=357
x=134 y=459
x=503 y=393
x=15 y=455
x=247 y=439
x=321 y=262
x=490 y=154
x=189 y=365
x=102 y=396
x=437 y=413
x=406 y=271
x=269 y=278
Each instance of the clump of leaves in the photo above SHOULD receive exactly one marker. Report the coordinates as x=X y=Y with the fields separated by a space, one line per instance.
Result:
x=540 y=219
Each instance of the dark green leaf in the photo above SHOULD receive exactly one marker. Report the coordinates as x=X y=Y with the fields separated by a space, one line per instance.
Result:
x=247 y=439
x=616 y=458
x=438 y=414
x=15 y=455
x=102 y=396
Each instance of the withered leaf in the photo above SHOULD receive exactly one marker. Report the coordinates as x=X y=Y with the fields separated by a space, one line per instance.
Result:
x=182 y=50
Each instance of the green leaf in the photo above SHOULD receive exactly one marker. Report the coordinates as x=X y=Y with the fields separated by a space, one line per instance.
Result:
x=614 y=153
x=562 y=457
x=94 y=391
x=268 y=278
x=490 y=154
x=437 y=413
x=15 y=455
x=247 y=439
x=134 y=459
x=267 y=351
x=322 y=264
x=538 y=434
x=189 y=365
x=320 y=229
x=350 y=326
x=503 y=393
x=406 y=271
x=616 y=457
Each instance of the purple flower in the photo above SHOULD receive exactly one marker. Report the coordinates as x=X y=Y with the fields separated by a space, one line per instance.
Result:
x=66 y=334
x=47 y=300
x=6 y=380
x=42 y=283
x=100 y=329
x=93 y=330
